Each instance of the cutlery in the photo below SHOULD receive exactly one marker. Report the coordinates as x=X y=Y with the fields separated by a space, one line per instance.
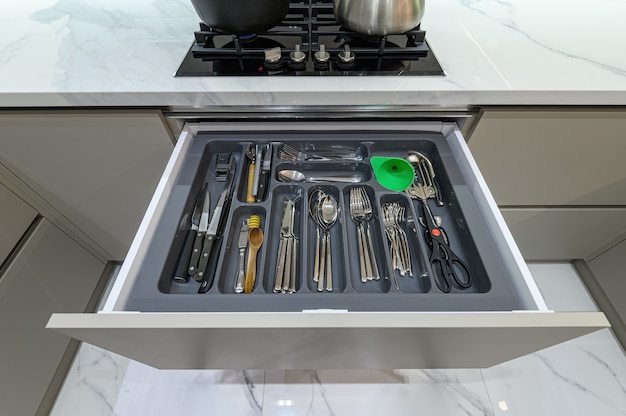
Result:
x=214 y=230
x=222 y=164
x=329 y=213
x=297 y=176
x=286 y=152
x=266 y=166
x=287 y=252
x=255 y=239
x=242 y=245
x=180 y=274
x=203 y=226
x=251 y=153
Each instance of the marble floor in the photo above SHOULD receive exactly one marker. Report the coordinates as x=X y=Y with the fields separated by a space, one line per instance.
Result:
x=585 y=376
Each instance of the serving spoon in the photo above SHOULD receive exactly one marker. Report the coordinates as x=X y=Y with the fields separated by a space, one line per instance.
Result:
x=297 y=176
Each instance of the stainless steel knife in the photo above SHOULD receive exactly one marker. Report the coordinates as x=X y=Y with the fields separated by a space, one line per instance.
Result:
x=199 y=240
x=180 y=274
x=242 y=245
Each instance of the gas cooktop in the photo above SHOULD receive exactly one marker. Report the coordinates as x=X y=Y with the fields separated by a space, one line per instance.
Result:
x=309 y=41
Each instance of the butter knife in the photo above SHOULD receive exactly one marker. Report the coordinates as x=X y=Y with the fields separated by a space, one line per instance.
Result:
x=242 y=244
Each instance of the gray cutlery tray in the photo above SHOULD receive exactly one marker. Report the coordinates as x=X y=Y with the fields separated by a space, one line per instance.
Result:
x=155 y=290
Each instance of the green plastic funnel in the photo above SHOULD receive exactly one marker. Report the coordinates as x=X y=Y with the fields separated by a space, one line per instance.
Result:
x=393 y=173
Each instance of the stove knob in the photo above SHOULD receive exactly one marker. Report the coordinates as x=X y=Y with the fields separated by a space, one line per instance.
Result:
x=272 y=58
x=297 y=56
x=322 y=58
x=346 y=58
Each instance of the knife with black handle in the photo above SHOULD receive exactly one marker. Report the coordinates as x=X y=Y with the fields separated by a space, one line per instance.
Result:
x=198 y=244
x=213 y=232
x=180 y=274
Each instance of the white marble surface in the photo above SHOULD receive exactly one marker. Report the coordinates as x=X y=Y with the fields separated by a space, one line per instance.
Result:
x=585 y=376
x=120 y=53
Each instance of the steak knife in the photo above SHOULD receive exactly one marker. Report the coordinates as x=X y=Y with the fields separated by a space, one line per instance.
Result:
x=199 y=240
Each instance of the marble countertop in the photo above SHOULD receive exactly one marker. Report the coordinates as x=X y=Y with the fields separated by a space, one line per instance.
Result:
x=62 y=53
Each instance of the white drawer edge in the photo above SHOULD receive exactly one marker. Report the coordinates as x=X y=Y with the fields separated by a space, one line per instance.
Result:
x=257 y=320
x=148 y=225
x=486 y=202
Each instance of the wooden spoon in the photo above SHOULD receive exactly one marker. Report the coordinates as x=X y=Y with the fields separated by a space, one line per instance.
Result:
x=255 y=239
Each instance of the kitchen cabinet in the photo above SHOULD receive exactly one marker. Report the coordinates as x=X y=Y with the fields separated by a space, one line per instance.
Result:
x=608 y=285
x=15 y=218
x=90 y=172
x=555 y=171
x=49 y=273
x=149 y=320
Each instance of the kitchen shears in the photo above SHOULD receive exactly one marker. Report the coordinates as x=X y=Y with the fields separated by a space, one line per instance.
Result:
x=445 y=263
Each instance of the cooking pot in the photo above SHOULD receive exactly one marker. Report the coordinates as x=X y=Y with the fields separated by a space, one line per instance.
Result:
x=241 y=17
x=379 y=17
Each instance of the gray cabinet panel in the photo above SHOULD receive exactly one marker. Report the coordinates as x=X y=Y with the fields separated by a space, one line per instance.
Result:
x=548 y=157
x=51 y=273
x=15 y=217
x=563 y=234
x=95 y=170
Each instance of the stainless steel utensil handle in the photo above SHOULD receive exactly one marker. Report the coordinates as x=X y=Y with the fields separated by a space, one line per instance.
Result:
x=343 y=179
x=287 y=272
x=280 y=266
x=369 y=273
x=320 y=282
x=240 y=271
x=329 y=266
x=316 y=269
x=361 y=254
x=374 y=263
x=294 y=254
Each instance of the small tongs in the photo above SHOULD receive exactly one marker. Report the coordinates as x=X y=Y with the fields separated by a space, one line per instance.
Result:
x=285 y=280
x=425 y=185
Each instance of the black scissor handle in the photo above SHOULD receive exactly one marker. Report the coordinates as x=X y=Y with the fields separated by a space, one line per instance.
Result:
x=443 y=258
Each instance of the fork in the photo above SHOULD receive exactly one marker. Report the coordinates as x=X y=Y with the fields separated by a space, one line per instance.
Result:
x=368 y=212
x=358 y=215
x=286 y=152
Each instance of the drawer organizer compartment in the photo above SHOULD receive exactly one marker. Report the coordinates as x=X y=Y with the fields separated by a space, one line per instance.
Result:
x=381 y=258
x=404 y=319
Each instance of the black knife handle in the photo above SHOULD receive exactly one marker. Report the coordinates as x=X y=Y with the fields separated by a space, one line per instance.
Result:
x=180 y=274
x=263 y=182
x=204 y=257
x=195 y=255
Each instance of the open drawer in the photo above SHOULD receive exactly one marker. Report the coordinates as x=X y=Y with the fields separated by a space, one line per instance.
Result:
x=402 y=319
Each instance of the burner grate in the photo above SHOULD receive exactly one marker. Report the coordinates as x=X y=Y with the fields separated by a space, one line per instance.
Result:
x=310 y=28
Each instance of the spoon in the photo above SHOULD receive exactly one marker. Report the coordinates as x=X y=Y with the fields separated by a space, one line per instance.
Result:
x=314 y=200
x=297 y=176
x=328 y=214
x=255 y=239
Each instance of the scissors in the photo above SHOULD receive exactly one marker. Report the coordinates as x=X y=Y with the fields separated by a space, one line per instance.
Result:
x=446 y=264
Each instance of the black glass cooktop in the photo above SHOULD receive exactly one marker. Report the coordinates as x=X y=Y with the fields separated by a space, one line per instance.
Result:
x=308 y=42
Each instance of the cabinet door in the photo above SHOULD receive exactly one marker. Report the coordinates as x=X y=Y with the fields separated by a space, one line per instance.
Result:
x=265 y=330
x=92 y=172
x=552 y=158
x=15 y=217
x=563 y=233
x=50 y=273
